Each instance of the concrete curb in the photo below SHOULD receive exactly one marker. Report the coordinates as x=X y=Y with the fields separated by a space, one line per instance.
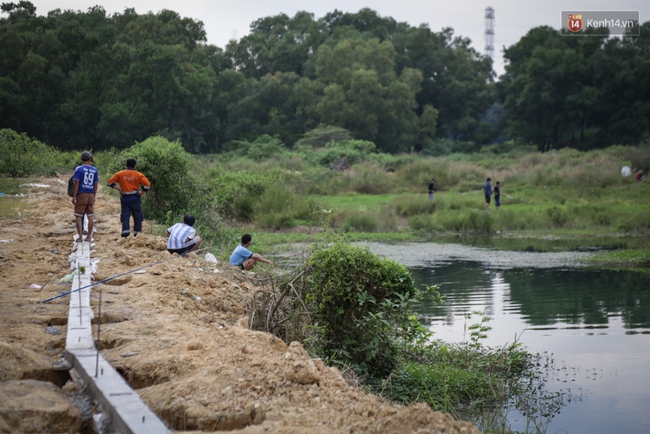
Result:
x=128 y=413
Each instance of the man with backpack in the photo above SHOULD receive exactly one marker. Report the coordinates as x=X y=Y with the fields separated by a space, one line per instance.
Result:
x=85 y=179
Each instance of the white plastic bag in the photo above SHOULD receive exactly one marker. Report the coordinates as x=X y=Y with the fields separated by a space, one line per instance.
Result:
x=209 y=257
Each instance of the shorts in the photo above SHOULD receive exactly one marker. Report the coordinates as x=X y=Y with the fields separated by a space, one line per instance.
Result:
x=186 y=248
x=487 y=199
x=85 y=205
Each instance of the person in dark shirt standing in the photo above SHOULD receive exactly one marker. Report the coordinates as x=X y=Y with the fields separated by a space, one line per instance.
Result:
x=432 y=188
x=85 y=179
x=497 y=195
x=487 y=190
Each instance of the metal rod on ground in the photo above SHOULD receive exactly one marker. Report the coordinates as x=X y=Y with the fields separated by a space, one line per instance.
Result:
x=79 y=284
x=48 y=281
x=99 y=328
x=119 y=275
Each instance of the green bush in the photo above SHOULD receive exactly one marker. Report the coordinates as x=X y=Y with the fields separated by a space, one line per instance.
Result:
x=22 y=156
x=423 y=223
x=323 y=134
x=167 y=166
x=361 y=222
x=409 y=205
x=557 y=216
x=466 y=221
x=360 y=303
x=331 y=155
x=279 y=207
x=519 y=219
x=441 y=386
x=367 y=178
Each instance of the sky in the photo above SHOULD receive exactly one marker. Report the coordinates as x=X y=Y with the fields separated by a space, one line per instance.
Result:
x=226 y=20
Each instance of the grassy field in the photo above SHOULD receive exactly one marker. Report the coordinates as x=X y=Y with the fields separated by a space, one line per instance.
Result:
x=563 y=199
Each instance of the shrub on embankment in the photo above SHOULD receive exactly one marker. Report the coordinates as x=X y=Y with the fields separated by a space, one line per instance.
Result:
x=23 y=156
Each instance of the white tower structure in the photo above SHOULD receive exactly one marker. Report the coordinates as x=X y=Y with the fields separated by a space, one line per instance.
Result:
x=489 y=31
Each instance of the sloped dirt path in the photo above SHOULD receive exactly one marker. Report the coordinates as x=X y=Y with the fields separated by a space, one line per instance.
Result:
x=178 y=334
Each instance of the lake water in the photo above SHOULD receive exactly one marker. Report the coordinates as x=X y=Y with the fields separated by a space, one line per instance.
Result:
x=596 y=325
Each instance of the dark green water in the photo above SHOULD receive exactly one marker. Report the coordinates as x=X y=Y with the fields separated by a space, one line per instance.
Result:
x=596 y=325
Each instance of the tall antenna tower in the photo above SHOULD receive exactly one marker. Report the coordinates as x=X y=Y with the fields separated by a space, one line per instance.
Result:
x=489 y=31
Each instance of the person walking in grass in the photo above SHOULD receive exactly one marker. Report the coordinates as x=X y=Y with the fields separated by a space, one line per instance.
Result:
x=243 y=258
x=86 y=178
x=432 y=188
x=182 y=237
x=130 y=181
x=487 y=190
x=497 y=195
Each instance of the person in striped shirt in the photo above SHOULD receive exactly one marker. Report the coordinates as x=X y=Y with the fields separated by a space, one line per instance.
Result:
x=182 y=236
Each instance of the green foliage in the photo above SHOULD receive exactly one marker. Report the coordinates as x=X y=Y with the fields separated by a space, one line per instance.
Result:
x=322 y=135
x=478 y=331
x=24 y=156
x=444 y=388
x=361 y=222
x=423 y=223
x=639 y=158
x=560 y=91
x=262 y=148
x=472 y=221
x=409 y=205
x=279 y=207
x=361 y=304
x=167 y=166
x=75 y=78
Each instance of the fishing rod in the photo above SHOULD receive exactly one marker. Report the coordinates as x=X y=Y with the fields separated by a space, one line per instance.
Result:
x=119 y=275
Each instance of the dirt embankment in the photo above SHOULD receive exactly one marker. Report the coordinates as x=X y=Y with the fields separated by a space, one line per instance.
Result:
x=178 y=334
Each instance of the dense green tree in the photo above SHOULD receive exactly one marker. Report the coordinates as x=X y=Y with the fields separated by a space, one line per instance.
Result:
x=277 y=44
x=363 y=94
x=620 y=69
x=267 y=106
x=324 y=134
x=455 y=77
x=540 y=74
x=577 y=91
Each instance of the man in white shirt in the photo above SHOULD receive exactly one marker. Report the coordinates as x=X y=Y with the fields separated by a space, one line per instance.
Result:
x=182 y=236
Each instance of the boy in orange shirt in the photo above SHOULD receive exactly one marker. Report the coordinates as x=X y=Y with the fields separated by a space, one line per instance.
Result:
x=130 y=181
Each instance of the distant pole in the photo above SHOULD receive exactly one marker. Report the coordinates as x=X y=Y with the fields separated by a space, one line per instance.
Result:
x=489 y=31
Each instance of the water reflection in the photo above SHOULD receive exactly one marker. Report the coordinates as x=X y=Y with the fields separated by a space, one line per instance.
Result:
x=544 y=298
x=596 y=325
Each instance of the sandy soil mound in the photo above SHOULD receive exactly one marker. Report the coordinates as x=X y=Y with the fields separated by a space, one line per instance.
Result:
x=177 y=331
x=31 y=406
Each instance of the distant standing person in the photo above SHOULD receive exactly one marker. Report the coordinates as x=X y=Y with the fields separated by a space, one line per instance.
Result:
x=130 y=181
x=182 y=236
x=243 y=258
x=85 y=179
x=432 y=188
x=497 y=195
x=487 y=189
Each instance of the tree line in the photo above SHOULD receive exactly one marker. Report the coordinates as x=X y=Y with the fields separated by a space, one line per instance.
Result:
x=76 y=80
